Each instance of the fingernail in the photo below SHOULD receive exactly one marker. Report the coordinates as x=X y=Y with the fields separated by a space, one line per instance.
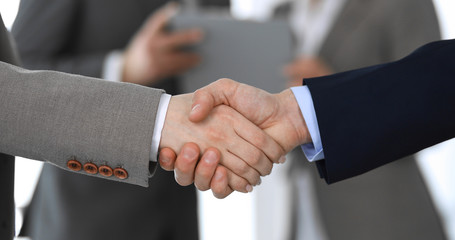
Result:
x=218 y=176
x=195 y=107
x=249 y=188
x=260 y=181
x=164 y=159
x=282 y=159
x=210 y=157
x=176 y=176
x=189 y=153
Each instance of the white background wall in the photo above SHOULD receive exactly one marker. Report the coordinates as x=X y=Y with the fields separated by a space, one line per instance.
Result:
x=219 y=218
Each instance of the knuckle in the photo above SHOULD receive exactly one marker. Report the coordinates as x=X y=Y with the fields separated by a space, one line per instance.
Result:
x=200 y=92
x=204 y=175
x=216 y=135
x=267 y=171
x=242 y=169
x=257 y=180
x=224 y=81
x=256 y=157
x=276 y=156
x=239 y=185
x=278 y=152
x=261 y=141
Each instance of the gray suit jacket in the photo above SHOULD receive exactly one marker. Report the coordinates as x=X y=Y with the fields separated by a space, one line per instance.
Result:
x=392 y=202
x=7 y=54
x=86 y=31
x=55 y=117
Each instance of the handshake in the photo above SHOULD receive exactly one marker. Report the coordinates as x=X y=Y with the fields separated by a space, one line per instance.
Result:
x=241 y=131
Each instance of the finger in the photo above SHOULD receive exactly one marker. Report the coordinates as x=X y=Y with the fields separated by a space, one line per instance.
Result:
x=179 y=39
x=206 y=168
x=186 y=164
x=219 y=185
x=214 y=94
x=264 y=150
x=240 y=168
x=167 y=159
x=158 y=21
x=238 y=183
x=254 y=158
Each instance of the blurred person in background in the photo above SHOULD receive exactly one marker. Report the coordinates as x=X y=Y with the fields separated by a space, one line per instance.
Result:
x=336 y=36
x=331 y=37
x=118 y=41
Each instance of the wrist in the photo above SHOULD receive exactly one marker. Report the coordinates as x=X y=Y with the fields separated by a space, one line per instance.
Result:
x=293 y=115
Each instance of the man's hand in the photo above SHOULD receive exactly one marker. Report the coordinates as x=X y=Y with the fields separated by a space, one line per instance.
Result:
x=154 y=53
x=205 y=172
x=278 y=114
x=305 y=67
x=244 y=148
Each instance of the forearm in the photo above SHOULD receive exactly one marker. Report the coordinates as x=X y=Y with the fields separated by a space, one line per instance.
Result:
x=376 y=115
x=56 y=117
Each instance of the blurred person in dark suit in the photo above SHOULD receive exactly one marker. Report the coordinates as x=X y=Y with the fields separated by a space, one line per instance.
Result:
x=105 y=39
x=339 y=36
x=336 y=36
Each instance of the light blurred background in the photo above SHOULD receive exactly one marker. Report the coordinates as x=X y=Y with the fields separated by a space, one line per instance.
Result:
x=219 y=218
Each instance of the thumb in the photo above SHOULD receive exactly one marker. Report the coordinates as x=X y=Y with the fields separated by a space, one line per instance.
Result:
x=203 y=103
x=158 y=21
x=210 y=96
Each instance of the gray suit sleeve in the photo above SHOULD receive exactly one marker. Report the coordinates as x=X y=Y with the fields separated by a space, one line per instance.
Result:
x=55 y=117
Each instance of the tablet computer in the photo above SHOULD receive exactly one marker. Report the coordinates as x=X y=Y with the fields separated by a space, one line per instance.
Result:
x=250 y=52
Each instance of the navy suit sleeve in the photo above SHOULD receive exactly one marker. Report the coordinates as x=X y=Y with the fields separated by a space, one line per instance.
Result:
x=372 y=116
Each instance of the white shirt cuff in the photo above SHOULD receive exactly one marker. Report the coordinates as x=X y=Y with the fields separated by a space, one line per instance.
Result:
x=113 y=67
x=313 y=151
x=159 y=123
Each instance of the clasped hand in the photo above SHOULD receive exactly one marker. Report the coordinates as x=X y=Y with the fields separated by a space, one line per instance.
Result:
x=241 y=131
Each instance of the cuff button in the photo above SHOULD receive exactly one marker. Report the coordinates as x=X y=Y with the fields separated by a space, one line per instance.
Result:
x=105 y=171
x=74 y=165
x=120 y=173
x=90 y=168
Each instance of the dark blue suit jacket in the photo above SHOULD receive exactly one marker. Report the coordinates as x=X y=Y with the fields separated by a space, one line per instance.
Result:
x=375 y=115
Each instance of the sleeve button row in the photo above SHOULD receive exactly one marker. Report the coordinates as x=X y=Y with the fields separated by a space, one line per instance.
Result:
x=103 y=170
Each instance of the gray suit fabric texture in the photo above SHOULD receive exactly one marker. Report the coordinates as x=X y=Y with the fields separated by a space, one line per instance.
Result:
x=53 y=117
x=392 y=202
x=75 y=36
x=6 y=161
